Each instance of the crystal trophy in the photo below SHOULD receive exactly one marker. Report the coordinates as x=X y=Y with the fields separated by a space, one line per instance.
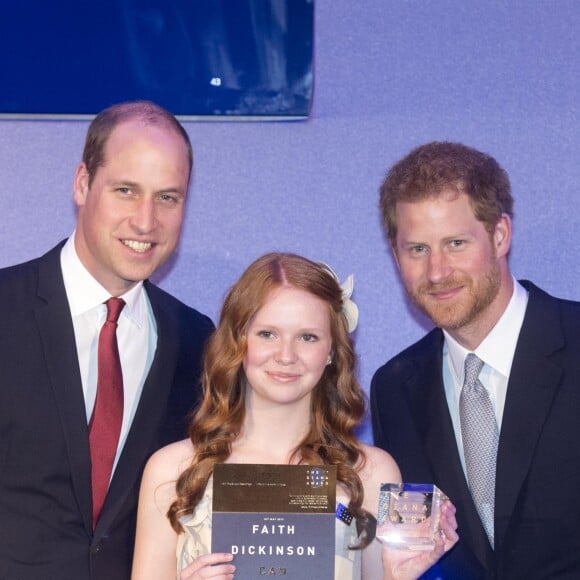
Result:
x=408 y=515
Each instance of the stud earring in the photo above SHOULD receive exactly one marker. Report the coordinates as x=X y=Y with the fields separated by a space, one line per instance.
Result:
x=329 y=360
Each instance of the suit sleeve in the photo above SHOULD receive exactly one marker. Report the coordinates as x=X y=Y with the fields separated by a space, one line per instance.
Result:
x=377 y=410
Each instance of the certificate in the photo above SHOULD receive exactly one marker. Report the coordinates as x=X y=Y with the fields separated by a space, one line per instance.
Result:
x=277 y=520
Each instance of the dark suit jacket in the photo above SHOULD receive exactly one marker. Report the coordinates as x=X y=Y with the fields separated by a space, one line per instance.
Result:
x=537 y=497
x=45 y=474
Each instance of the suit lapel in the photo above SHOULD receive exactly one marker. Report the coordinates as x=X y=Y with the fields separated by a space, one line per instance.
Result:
x=531 y=389
x=434 y=424
x=142 y=437
x=57 y=335
x=58 y=341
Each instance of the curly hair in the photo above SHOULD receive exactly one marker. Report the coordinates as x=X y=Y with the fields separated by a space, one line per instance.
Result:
x=337 y=404
x=429 y=169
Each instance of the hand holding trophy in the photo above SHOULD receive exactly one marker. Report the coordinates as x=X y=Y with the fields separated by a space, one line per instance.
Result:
x=416 y=524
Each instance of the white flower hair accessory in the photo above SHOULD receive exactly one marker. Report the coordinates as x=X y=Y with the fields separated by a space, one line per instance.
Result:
x=349 y=308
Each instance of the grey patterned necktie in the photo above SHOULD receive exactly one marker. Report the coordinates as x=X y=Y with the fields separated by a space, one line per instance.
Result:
x=480 y=438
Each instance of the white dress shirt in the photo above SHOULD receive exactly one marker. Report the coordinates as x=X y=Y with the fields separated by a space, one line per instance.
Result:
x=136 y=334
x=497 y=353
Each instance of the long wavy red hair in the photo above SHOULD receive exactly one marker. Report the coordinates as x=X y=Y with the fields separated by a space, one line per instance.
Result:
x=338 y=402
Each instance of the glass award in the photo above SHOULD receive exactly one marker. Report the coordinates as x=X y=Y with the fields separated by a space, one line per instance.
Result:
x=408 y=515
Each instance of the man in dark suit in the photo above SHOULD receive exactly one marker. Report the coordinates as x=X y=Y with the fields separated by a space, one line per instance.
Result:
x=447 y=209
x=130 y=191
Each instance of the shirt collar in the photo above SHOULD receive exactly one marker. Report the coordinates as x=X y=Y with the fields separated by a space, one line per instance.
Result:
x=84 y=293
x=498 y=347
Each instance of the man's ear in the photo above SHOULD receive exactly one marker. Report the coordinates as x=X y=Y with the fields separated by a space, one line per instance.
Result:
x=81 y=185
x=502 y=235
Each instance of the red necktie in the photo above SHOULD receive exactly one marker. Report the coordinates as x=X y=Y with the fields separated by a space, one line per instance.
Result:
x=105 y=424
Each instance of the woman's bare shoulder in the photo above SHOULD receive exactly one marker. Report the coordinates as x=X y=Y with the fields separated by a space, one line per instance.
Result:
x=379 y=468
x=169 y=461
x=379 y=464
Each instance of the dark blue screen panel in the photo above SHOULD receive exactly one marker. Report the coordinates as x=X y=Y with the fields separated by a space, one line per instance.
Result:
x=236 y=58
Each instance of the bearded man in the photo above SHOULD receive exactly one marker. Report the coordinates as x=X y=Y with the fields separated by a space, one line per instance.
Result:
x=486 y=405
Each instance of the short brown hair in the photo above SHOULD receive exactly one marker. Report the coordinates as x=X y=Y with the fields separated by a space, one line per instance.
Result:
x=429 y=169
x=103 y=124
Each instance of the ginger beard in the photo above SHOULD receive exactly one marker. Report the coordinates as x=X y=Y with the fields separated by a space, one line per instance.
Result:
x=459 y=312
